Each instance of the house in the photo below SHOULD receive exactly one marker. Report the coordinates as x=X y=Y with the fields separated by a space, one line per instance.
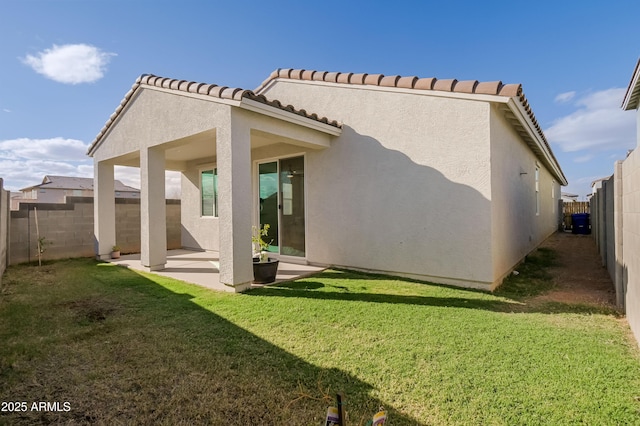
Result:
x=54 y=189
x=568 y=198
x=440 y=180
x=597 y=184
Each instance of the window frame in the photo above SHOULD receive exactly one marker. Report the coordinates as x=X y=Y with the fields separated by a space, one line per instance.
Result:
x=537 y=180
x=214 y=198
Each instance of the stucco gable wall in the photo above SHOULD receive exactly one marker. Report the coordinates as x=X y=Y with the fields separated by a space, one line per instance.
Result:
x=153 y=117
x=516 y=228
x=404 y=189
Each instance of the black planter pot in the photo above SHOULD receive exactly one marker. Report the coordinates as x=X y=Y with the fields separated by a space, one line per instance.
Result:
x=265 y=272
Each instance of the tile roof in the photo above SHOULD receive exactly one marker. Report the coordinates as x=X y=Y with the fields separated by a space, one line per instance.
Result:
x=496 y=88
x=212 y=90
x=447 y=85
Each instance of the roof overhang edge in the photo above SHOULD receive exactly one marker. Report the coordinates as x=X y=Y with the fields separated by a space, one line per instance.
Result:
x=251 y=105
x=632 y=96
x=547 y=157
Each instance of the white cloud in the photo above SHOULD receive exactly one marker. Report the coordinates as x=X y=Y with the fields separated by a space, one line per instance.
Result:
x=6 y=110
x=70 y=63
x=565 y=97
x=598 y=124
x=22 y=173
x=24 y=162
x=583 y=158
x=46 y=149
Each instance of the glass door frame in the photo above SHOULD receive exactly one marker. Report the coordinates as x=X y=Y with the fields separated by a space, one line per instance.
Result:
x=256 y=208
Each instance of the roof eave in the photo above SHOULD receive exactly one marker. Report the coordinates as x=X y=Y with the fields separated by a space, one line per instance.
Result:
x=533 y=136
x=291 y=117
x=632 y=96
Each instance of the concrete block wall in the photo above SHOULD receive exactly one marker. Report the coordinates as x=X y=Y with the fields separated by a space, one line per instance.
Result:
x=616 y=207
x=68 y=228
x=5 y=200
x=630 y=266
x=603 y=215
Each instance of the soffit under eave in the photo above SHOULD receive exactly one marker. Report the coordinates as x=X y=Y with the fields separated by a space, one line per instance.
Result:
x=535 y=144
x=632 y=96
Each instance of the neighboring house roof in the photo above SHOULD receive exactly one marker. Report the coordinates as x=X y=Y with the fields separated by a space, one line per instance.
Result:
x=72 y=182
x=528 y=130
x=632 y=97
x=212 y=90
x=599 y=180
x=569 y=197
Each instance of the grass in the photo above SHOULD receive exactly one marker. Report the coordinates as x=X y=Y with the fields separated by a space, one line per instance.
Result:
x=129 y=348
x=533 y=278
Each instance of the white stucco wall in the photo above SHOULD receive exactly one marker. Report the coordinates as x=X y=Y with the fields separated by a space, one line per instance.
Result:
x=405 y=189
x=517 y=229
x=631 y=238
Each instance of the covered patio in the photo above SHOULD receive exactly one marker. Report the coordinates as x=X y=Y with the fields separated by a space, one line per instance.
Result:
x=195 y=128
x=203 y=268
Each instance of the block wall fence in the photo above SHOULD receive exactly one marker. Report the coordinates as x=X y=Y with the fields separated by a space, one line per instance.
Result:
x=4 y=229
x=616 y=230
x=68 y=228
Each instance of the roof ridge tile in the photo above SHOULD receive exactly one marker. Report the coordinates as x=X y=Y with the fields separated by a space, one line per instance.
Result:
x=373 y=79
x=357 y=78
x=389 y=81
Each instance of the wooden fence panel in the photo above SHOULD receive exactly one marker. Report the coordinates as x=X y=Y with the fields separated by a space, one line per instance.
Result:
x=577 y=207
x=572 y=207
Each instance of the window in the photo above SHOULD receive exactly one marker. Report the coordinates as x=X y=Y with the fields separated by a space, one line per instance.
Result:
x=537 y=191
x=209 y=192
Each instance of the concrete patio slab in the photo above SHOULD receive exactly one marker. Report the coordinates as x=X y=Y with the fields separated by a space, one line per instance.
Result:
x=201 y=268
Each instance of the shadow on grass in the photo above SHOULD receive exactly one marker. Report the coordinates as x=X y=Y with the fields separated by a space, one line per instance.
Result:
x=152 y=375
x=514 y=295
x=307 y=289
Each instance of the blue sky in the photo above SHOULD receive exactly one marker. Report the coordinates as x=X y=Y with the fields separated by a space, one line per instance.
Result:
x=66 y=65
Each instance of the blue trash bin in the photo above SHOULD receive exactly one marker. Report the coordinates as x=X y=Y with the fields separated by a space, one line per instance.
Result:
x=580 y=223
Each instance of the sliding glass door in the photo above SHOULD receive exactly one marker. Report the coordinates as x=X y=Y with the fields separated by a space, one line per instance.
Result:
x=281 y=204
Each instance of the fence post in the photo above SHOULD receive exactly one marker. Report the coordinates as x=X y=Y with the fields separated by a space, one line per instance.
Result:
x=5 y=199
x=618 y=281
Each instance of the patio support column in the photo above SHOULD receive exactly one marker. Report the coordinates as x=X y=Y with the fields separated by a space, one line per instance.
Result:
x=153 y=217
x=104 y=210
x=233 y=143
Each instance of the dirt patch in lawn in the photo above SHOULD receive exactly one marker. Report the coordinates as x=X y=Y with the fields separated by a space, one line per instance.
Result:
x=93 y=309
x=577 y=274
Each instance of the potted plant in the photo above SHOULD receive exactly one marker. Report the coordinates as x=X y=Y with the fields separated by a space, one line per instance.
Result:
x=265 y=268
x=115 y=252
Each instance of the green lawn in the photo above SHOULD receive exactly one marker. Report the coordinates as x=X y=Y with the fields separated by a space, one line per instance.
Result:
x=122 y=348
